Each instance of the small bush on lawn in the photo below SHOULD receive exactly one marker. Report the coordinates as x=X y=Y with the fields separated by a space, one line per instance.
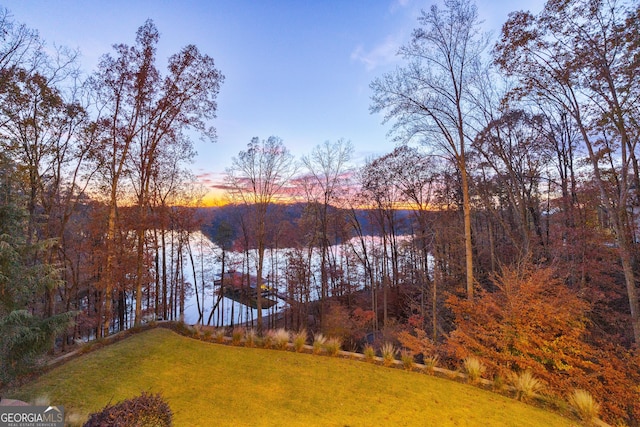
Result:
x=388 y=354
x=333 y=345
x=318 y=343
x=474 y=369
x=146 y=410
x=300 y=340
x=369 y=353
x=585 y=405
x=527 y=386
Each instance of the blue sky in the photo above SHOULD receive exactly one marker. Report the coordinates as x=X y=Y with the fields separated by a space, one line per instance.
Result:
x=299 y=70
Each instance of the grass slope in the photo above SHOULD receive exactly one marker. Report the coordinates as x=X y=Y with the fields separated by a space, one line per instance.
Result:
x=209 y=384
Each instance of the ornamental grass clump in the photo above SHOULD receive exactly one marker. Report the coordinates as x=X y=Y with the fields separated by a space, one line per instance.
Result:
x=333 y=345
x=430 y=363
x=219 y=335
x=207 y=334
x=281 y=338
x=474 y=368
x=407 y=360
x=236 y=335
x=584 y=405
x=319 y=341
x=268 y=339
x=526 y=385
x=369 y=353
x=300 y=340
x=250 y=338
x=198 y=333
x=388 y=352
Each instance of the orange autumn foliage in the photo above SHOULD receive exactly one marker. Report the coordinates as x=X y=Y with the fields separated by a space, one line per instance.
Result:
x=532 y=321
x=416 y=341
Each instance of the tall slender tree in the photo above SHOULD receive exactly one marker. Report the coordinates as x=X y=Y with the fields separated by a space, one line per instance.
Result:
x=431 y=98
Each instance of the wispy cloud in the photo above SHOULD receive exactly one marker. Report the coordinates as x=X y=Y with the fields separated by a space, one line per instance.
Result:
x=398 y=4
x=210 y=179
x=384 y=53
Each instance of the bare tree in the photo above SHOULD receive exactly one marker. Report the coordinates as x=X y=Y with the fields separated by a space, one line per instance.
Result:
x=258 y=177
x=20 y=46
x=327 y=168
x=431 y=98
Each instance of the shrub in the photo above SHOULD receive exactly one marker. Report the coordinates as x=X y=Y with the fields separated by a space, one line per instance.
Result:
x=300 y=340
x=145 y=410
x=474 y=368
x=388 y=354
x=584 y=404
x=318 y=343
x=333 y=345
x=281 y=338
x=24 y=337
x=536 y=304
x=407 y=359
x=369 y=353
x=526 y=385
x=416 y=340
x=336 y=321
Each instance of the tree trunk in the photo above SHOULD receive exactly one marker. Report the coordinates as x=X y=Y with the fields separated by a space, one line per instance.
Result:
x=109 y=275
x=468 y=246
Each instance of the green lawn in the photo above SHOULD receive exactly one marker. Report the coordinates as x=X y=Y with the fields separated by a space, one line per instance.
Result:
x=210 y=384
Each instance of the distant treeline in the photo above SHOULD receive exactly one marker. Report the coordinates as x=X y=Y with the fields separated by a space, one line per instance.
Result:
x=292 y=214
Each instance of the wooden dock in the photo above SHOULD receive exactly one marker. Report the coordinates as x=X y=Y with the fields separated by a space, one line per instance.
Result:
x=236 y=288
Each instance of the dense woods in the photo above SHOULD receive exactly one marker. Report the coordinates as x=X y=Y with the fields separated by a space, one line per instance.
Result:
x=503 y=223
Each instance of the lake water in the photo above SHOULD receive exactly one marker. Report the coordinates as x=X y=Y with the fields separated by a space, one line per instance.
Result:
x=207 y=259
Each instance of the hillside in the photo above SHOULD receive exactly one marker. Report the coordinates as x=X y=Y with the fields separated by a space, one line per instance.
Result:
x=288 y=223
x=210 y=384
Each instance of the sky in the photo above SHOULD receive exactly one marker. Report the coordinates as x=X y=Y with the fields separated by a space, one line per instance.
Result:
x=299 y=69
